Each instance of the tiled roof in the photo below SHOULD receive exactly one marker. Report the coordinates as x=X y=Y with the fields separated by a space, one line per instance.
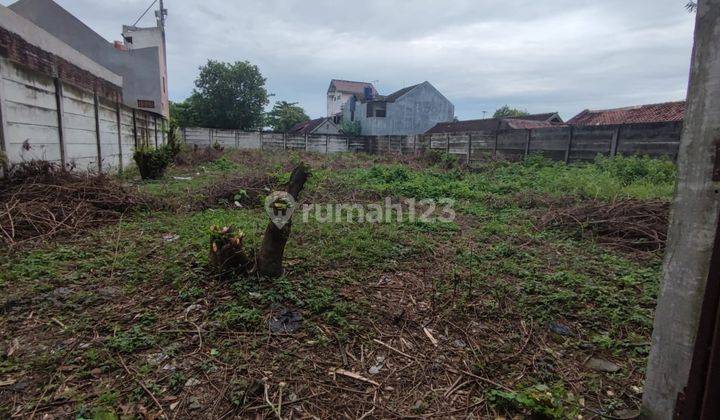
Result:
x=351 y=87
x=663 y=112
x=306 y=127
x=489 y=124
x=536 y=117
x=523 y=123
x=468 y=125
x=393 y=96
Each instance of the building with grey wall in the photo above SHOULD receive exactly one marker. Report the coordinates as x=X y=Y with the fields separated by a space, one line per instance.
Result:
x=139 y=59
x=411 y=110
x=340 y=91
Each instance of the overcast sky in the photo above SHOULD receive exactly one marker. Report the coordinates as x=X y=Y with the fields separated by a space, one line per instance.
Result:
x=564 y=55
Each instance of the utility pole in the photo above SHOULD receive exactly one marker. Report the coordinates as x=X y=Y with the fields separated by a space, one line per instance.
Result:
x=683 y=373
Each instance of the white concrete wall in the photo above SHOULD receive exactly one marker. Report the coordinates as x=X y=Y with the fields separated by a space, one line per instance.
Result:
x=79 y=129
x=29 y=115
x=31 y=129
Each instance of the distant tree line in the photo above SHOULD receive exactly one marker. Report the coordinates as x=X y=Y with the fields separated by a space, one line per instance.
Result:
x=233 y=96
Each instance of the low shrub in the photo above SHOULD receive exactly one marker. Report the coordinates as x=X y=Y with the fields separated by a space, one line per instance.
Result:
x=152 y=162
x=441 y=159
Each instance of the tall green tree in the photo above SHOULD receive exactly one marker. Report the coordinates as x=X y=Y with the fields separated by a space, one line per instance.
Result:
x=182 y=114
x=285 y=115
x=229 y=95
x=505 y=112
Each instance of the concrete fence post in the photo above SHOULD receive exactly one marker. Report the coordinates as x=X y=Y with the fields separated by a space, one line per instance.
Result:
x=284 y=141
x=326 y=144
x=96 y=107
x=306 y=142
x=528 y=137
x=615 y=141
x=119 y=135
x=4 y=164
x=469 y=148
x=156 y=130
x=347 y=144
x=135 y=133
x=61 y=118
x=568 y=150
x=497 y=135
x=683 y=371
x=447 y=143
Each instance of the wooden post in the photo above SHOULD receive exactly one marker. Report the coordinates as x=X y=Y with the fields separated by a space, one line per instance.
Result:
x=118 y=117
x=569 y=145
x=260 y=136
x=615 y=141
x=528 y=136
x=447 y=144
x=347 y=144
x=284 y=141
x=415 y=144
x=60 y=114
x=306 y=142
x=326 y=144
x=135 y=133
x=210 y=137
x=469 y=148
x=96 y=106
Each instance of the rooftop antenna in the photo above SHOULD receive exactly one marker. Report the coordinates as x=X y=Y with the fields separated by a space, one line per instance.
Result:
x=375 y=83
x=160 y=15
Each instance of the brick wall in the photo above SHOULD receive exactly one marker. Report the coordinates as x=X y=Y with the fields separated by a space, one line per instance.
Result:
x=16 y=49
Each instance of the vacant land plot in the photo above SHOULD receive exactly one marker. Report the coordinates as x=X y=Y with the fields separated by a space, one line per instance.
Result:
x=538 y=298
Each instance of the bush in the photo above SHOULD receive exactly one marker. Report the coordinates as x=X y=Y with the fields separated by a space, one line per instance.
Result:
x=632 y=169
x=152 y=162
x=351 y=128
x=441 y=159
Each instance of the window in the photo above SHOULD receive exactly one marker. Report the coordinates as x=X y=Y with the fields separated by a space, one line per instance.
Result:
x=376 y=109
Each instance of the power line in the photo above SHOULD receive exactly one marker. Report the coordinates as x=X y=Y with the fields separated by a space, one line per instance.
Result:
x=145 y=12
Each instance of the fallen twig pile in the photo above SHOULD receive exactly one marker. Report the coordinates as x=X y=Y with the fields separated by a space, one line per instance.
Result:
x=627 y=223
x=41 y=200
x=245 y=190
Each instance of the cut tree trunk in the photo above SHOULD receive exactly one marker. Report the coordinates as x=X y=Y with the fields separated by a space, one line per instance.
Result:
x=272 y=249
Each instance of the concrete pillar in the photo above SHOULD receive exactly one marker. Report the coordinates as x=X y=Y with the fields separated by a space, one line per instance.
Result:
x=692 y=231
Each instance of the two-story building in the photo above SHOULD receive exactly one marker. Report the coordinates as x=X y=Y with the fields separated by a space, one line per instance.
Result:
x=140 y=59
x=410 y=110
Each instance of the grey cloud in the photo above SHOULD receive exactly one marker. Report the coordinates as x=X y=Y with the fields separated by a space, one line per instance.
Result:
x=541 y=55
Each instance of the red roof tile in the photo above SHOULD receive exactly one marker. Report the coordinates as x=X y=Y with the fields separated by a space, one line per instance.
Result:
x=306 y=127
x=489 y=124
x=664 y=112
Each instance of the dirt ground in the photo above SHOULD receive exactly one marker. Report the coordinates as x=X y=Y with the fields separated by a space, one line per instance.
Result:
x=497 y=313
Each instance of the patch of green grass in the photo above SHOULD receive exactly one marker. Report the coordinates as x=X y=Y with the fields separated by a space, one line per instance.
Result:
x=129 y=341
